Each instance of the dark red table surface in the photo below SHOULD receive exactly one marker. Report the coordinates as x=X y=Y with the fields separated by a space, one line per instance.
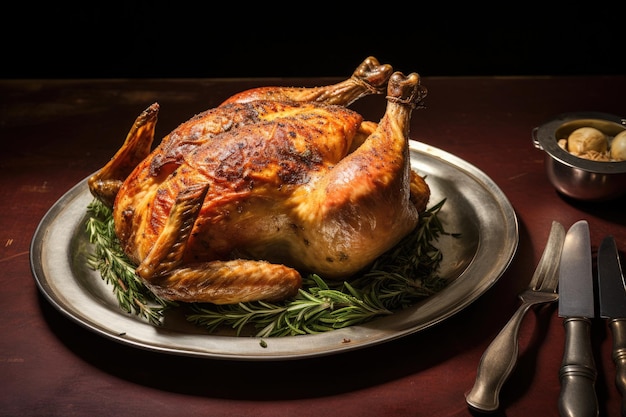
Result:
x=54 y=133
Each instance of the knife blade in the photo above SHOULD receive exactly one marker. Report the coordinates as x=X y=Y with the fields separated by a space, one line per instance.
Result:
x=612 y=295
x=576 y=305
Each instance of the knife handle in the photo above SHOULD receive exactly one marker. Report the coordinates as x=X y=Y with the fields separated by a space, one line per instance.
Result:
x=578 y=371
x=618 y=328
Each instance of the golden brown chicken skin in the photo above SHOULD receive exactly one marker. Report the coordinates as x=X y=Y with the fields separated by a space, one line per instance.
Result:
x=235 y=203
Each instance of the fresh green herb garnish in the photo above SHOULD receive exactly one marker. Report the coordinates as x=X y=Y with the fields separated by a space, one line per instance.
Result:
x=108 y=258
x=396 y=280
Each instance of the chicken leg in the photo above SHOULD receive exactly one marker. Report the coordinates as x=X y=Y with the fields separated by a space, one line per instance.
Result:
x=369 y=78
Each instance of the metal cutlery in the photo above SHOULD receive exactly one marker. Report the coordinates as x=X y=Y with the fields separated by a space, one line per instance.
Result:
x=612 y=295
x=576 y=304
x=499 y=359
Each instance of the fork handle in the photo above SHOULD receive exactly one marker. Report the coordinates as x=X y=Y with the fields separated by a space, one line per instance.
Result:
x=578 y=371
x=496 y=365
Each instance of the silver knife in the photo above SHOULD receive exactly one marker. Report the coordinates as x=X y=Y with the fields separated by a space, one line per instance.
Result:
x=578 y=370
x=612 y=294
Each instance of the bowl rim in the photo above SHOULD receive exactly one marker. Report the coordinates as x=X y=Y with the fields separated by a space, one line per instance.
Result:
x=544 y=138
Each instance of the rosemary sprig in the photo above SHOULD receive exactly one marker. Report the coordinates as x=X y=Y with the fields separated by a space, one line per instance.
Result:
x=108 y=258
x=397 y=279
x=315 y=309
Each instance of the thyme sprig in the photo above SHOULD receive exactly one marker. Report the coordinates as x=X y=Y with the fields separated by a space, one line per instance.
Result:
x=397 y=279
x=108 y=258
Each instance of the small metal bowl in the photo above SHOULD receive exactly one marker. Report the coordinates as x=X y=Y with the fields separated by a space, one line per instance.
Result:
x=579 y=178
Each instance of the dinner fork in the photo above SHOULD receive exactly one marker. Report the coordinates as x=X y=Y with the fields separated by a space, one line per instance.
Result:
x=500 y=358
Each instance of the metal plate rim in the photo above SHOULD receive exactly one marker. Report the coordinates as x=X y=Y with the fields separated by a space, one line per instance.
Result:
x=55 y=271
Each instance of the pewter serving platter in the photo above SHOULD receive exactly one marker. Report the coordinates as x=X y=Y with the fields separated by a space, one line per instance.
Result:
x=475 y=207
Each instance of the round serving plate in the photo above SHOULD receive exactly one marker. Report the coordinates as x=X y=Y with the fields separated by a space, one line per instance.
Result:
x=475 y=208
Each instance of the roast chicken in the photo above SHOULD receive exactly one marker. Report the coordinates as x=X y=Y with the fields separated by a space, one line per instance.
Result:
x=239 y=201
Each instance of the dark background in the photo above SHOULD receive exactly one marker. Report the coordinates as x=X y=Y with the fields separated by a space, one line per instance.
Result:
x=219 y=39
